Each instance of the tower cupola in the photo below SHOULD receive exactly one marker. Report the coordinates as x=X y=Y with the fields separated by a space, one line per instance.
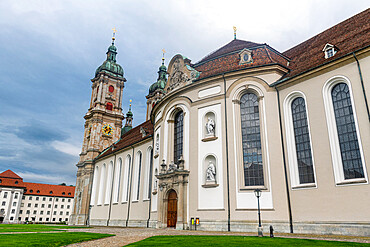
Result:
x=109 y=65
x=129 y=118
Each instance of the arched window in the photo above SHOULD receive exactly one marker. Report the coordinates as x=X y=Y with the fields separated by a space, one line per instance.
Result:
x=126 y=178
x=302 y=141
x=108 y=187
x=251 y=140
x=137 y=171
x=101 y=185
x=346 y=130
x=109 y=106
x=146 y=171
x=117 y=180
x=95 y=181
x=178 y=136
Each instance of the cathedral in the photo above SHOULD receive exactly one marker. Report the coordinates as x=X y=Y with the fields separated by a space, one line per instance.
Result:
x=247 y=120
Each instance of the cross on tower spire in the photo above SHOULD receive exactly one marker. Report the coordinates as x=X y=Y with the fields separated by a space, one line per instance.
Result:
x=114 y=35
x=234 y=27
x=163 y=51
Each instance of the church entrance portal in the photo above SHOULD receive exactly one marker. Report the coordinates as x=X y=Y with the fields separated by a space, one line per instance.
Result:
x=172 y=209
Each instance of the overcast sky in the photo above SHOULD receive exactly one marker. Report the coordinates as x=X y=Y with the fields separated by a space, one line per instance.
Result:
x=49 y=51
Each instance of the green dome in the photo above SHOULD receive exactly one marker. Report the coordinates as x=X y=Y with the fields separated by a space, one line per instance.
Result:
x=110 y=64
x=161 y=82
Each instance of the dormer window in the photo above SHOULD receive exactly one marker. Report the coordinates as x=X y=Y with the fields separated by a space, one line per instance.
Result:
x=329 y=50
x=245 y=56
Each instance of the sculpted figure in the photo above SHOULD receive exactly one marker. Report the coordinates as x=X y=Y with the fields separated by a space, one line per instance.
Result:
x=211 y=172
x=210 y=126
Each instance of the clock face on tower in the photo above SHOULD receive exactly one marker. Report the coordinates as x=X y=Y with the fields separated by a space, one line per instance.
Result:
x=107 y=129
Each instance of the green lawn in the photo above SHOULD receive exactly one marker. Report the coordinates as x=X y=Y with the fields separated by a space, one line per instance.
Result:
x=230 y=241
x=48 y=239
x=33 y=227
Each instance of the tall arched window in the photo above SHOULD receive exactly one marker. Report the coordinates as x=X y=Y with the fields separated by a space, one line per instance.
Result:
x=101 y=185
x=126 y=179
x=346 y=130
x=178 y=136
x=95 y=182
x=251 y=140
x=302 y=141
x=117 y=180
x=108 y=187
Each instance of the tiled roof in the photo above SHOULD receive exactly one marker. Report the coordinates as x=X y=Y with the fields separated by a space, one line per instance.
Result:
x=9 y=174
x=234 y=45
x=262 y=54
x=348 y=36
x=131 y=137
x=10 y=179
x=49 y=190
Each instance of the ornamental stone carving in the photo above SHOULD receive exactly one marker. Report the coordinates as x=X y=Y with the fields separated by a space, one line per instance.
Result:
x=180 y=73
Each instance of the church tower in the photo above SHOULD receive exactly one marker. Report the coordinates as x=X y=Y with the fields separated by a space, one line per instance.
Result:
x=103 y=123
x=156 y=90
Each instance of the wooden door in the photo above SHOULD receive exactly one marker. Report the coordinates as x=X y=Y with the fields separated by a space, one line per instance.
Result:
x=172 y=209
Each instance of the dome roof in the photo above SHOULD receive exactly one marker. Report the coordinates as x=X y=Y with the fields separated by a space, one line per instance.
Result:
x=161 y=82
x=110 y=65
x=233 y=46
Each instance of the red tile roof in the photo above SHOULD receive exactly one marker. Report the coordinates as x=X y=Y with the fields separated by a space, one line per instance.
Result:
x=10 y=179
x=348 y=36
x=49 y=190
x=262 y=54
x=131 y=137
x=9 y=174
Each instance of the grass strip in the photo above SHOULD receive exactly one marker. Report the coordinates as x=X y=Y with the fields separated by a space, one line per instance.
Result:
x=230 y=241
x=48 y=239
x=33 y=228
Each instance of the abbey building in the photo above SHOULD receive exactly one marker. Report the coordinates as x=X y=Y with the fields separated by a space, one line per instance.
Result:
x=294 y=125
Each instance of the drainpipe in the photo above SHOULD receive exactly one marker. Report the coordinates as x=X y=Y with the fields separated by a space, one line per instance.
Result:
x=227 y=159
x=284 y=162
x=112 y=189
x=129 y=195
x=362 y=84
x=90 y=190
x=150 y=181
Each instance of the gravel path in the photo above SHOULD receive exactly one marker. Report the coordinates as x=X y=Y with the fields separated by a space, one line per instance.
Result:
x=126 y=236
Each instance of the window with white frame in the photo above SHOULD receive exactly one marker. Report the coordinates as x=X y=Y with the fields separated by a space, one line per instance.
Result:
x=101 y=184
x=251 y=140
x=329 y=50
x=345 y=141
x=146 y=171
x=300 y=154
x=137 y=170
x=117 y=180
x=126 y=178
x=108 y=186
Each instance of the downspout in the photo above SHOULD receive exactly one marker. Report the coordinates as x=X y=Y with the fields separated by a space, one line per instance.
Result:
x=112 y=189
x=129 y=193
x=150 y=181
x=90 y=190
x=362 y=84
x=227 y=159
x=284 y=162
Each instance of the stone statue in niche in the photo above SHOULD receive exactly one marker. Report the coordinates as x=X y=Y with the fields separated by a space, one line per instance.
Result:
x=211 y=172
x=210 y=127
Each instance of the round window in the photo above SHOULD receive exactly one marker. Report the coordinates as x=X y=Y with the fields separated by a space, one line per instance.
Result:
x=246 y=57
x=111 y=89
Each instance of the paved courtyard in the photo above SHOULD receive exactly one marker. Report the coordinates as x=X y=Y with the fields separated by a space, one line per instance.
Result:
x=126 y=236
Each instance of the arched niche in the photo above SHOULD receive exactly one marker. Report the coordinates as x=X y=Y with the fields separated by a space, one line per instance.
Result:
x=210 y=171
x=209 y=126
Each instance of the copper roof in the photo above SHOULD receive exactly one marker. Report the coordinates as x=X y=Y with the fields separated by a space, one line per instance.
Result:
x=133 y=136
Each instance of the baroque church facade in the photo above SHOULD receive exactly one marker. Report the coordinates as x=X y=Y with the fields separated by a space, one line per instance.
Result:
x=293 y=124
